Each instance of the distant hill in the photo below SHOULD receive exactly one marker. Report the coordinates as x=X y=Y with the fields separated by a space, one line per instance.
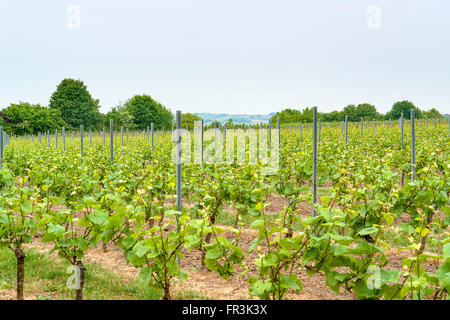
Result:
x=237 y=118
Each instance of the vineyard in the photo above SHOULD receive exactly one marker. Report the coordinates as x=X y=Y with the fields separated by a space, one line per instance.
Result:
x=378 y=228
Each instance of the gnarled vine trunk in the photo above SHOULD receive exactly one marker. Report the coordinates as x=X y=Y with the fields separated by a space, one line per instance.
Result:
x=166 y=292
x=20 y=256
x=80 y=280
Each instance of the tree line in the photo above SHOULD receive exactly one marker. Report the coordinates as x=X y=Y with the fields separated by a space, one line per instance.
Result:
x=355 y=113
x=71 y=105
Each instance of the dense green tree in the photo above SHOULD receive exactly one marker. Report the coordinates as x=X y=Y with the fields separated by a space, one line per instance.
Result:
x=218 y=125
x=332 y=116
x=76 y=105
x=350 y=112
x=145 y=110
x=287 y=116
x=188 y=119
x=25 y=118
x=293 y=116
x=405 y=107
x=307 y=115
x=432 y=113
x=120 y=117
x=366 y=111
x=2 y=119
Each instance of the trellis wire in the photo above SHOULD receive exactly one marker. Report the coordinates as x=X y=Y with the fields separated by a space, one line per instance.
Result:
x=314 y=177
x=401 y=129
x=413 y=145
x=111 y=141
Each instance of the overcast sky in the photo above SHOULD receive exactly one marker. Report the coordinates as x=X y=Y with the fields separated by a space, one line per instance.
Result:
x=233 y=56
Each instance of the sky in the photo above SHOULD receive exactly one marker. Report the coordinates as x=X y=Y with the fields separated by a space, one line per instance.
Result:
x=233 y=56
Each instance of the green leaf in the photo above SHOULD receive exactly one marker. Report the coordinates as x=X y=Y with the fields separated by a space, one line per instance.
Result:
x=393 y=292
x=368 y=230
x=325 y=200
x=56 y=230
x=173 y=267
x=141 y=249
x=364 y=248
x=127 y=243
x=98 y=217
x=291 y=281
x=392 y=275
x=191 y=240
x=4 y=219
x=446 y=209
x=254 y=212
x=257 y=223
x=331 y=281
x=236 y=255
x=339 y=238
x=446 y=251
x=271 y=259
x=443 y=274
x=26 y=206
x=145 y=276
x=261 y=289
x=253 y=245
x=214 y=253
x=363 y=292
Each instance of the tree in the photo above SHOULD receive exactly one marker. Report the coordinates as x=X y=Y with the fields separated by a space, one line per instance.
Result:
x=25 y=118
x=366 y=111
x=287 y=116
x=363 y=110
x=120 y=117
x=3 y=119
x=432 y=113
x=293 y=116
x=332 y=116
x=145 y=110
x=212 y=124
x=188 y=119
x=76 y=105
x=350 y=112
x=405 y=107
x=307 y=115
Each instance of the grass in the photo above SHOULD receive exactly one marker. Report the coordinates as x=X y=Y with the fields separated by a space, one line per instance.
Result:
x=45 y=279
x=189 y=295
